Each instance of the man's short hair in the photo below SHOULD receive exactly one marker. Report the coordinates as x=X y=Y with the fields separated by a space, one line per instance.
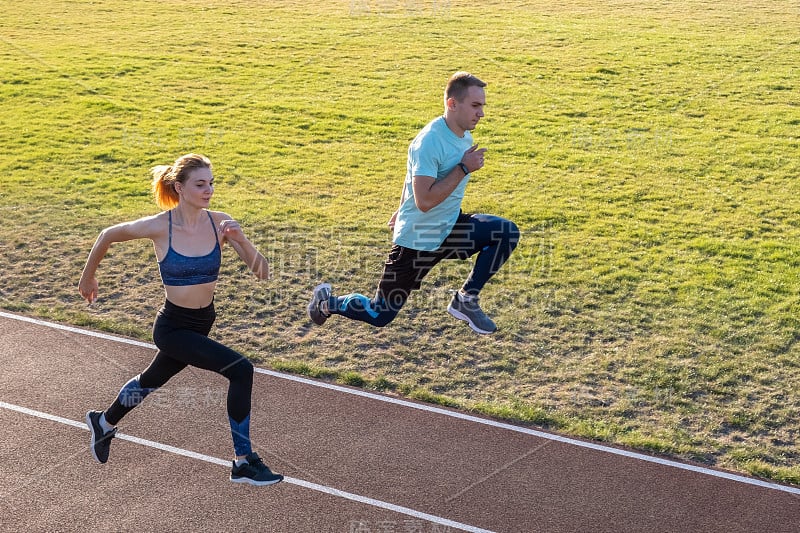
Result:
x=458 y=85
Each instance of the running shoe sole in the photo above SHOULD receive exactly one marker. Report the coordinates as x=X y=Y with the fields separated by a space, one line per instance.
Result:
x=313 y=310
x=103 y=436
x=461 y=316
x=254 y=482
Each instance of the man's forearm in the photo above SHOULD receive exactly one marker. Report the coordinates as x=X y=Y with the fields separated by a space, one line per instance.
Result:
x=430 y=194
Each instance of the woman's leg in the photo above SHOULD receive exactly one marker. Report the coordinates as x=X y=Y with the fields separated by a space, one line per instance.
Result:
x=161 y=369
x=101 y=424
x=181 y=336
x=195 y=349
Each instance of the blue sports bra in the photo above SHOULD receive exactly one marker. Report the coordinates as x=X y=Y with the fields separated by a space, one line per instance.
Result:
x=181 y=270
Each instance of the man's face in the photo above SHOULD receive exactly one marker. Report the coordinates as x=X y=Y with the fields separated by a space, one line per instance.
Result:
x=467 y=113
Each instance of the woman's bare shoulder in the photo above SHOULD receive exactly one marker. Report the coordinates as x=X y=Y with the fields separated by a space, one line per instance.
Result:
x=219 y=216
x=151 y=226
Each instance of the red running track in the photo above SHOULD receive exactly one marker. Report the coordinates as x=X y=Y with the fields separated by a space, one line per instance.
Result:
x=354 y=461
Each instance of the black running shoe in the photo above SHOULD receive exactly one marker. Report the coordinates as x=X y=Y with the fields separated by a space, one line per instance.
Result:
x=322 y=293
x=101 y=440
x=254 y=472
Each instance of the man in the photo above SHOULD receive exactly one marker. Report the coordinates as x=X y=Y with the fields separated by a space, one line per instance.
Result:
x=429 y=225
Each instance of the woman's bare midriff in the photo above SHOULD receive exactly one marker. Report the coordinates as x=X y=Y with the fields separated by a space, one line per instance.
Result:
x=191 y=296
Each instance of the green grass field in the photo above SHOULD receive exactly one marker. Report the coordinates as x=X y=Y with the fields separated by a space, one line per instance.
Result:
x=648 y=150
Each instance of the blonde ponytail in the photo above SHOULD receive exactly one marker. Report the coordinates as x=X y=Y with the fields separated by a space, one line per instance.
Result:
x=164 y=187
x=165 y=177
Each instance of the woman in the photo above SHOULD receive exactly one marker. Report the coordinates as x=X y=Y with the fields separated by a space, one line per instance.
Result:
x=188 y=241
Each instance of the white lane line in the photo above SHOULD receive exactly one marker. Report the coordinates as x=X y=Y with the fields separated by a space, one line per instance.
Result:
x=222 y=462
x=537 y=433
x=452 y=414
x=79 y=331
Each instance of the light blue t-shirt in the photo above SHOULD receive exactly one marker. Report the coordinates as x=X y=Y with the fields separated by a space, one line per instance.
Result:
x=434 y=152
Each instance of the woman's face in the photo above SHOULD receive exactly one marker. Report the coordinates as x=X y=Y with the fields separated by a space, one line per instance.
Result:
x=198 y=188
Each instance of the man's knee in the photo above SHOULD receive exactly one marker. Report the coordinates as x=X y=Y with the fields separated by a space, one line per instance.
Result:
x=498 y=229
x=511 y=233
x=505 y=232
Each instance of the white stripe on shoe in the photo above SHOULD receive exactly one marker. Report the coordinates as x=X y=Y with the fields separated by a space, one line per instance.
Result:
x=461 y=316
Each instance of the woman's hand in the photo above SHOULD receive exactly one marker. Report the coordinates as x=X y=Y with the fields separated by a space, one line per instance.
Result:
x=232 y=231
x=258 y=264
x=88 y=288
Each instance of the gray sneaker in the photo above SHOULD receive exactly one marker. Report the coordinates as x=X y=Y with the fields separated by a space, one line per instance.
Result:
x=322 y=293
x=469 y=311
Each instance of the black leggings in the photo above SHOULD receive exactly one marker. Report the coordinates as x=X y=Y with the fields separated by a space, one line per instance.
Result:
x=181 y=335
x=491 y=238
